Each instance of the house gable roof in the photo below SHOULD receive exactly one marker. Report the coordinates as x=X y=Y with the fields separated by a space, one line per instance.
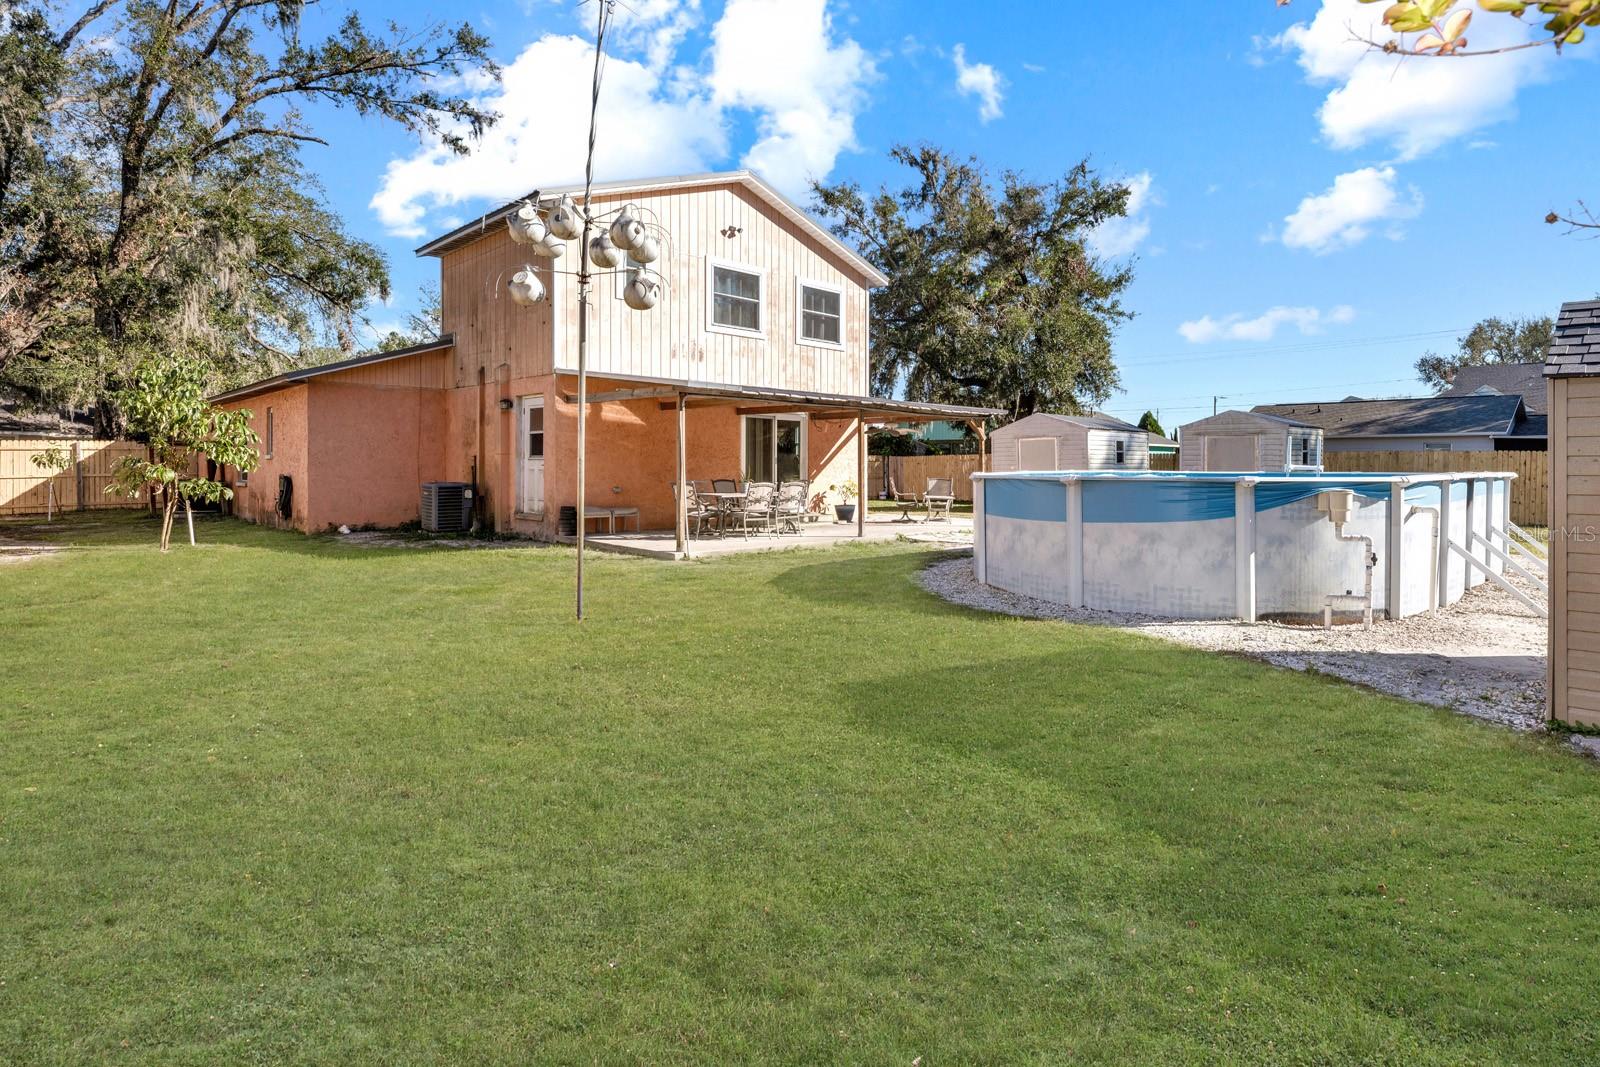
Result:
x=278 y=381
x=1092 y=421
x=1575 y=348
x=1510 y=379
x=1423 y=416
x=785 y=207
x=1229 y=419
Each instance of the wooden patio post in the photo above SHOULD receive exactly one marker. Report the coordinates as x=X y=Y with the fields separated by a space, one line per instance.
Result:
x=681 y=497
x=861 y=475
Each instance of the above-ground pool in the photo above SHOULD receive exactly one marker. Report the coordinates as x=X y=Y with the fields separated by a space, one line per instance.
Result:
x=1222 y=545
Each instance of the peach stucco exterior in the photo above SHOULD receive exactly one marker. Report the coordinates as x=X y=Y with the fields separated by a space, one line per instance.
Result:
x=359 y=442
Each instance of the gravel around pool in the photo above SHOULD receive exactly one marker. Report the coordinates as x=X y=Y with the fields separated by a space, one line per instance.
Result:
x=1484 y=656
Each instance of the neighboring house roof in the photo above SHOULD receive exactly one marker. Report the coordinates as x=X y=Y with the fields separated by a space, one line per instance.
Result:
x=1575 y=348
x=278 y=381
x=1422 y=416
x=1162 y=444
x=1509 y=379
x=749 y=179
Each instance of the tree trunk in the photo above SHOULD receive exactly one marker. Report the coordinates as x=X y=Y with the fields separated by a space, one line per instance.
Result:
x=167 y=515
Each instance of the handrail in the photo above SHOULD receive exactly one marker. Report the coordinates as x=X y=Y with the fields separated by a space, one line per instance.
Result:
x=1513 y=564
x=1540 y=609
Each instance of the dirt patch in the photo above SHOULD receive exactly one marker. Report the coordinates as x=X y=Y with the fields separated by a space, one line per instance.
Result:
x=1484 y=656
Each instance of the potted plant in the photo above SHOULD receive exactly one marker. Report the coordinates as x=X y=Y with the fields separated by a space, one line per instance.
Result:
x=845 y=510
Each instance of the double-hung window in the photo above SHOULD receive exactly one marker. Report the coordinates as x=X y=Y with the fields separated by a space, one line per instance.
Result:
x=735 y=299
x=821 y=314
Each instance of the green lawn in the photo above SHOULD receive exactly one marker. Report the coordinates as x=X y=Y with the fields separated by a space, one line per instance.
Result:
x=278 y=800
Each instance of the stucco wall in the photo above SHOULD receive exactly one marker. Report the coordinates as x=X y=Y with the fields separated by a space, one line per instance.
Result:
x=371 y=448
x=256 y=501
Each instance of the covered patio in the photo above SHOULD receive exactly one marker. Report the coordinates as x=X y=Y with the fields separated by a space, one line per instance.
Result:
x=843 y=418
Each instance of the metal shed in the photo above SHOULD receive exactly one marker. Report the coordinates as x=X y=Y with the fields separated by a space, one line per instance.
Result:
x=1249 y=441
x=1047 y=442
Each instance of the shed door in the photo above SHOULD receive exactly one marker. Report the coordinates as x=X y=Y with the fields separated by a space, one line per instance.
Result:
x=1231 y=453
x=1036 y=454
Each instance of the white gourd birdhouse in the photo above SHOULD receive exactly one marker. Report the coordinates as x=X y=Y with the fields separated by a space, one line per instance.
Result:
x=642 y=292
x=565 y=220
x=525 y=225
x=626 y=229
x=525 y=287
x=551 y=247
x=604 y=254
x=646 y=249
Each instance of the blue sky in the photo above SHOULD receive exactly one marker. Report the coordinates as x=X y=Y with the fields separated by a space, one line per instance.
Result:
x=1311 y=217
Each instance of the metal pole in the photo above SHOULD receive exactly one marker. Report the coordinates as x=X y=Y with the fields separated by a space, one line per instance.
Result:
x=603 y=10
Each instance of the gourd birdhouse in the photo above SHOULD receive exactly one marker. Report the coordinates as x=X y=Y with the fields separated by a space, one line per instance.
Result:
x=525 y=225
x=566 y=222
x=642 y=292
x=525 y=287
x=646 y=249
x=603 y=253
x=626 y=229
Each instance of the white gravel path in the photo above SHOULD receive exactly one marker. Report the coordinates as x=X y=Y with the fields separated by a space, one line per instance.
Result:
x=1484 y=656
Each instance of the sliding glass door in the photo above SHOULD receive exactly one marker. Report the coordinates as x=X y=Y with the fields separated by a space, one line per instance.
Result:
x=774 y=448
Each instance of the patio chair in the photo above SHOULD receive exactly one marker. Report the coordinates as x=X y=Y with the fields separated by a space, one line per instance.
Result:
x=792 y=506
x=756 y=509
x=940 y=496
x=906 y=502
x=698 y=512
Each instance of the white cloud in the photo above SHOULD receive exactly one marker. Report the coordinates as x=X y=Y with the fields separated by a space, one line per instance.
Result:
x=980 y=80
x=1413 y=104
x=656 y=115
x=1345 y=214
x=1118 y=237
x=1308 y=320
x=780 y=59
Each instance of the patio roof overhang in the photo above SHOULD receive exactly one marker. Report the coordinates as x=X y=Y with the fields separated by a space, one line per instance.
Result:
x=761 y=400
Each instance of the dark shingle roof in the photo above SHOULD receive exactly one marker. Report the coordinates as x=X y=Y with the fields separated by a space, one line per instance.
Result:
x=1575 y=348
x=1512 y=379
x=1419 y=416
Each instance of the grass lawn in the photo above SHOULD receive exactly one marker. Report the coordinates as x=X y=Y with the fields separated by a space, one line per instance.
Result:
x=279 y=800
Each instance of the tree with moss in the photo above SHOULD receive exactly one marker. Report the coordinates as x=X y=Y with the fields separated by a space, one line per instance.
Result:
x=153 y=191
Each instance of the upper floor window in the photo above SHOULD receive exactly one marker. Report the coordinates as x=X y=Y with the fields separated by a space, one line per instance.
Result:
x=735 y=299
x=821 y=314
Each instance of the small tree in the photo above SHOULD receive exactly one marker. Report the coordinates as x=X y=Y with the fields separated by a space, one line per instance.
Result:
x=166 y=404
x=53 y=460
x=1150 y=424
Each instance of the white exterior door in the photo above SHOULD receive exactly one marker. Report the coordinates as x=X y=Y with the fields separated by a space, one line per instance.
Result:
x=531 y=451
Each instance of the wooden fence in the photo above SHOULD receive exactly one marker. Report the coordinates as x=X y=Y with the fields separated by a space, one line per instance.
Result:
x=1530 y=492
x=911 y=473
x=24 y=487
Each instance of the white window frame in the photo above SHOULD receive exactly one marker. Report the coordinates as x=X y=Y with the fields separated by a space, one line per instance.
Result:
x=800 y=338
x=1119 y=452
x=805 y=440
x=1294 y=451
x=712 y=326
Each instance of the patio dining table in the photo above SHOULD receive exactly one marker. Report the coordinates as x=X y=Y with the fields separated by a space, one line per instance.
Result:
x=724 y=503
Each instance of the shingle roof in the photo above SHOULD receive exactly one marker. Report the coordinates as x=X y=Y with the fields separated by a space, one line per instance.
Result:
x=1575 y=348
x=1410 y=416
x=1512 y=379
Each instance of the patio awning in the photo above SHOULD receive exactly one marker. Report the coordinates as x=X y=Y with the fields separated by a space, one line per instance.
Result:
x=761 y=400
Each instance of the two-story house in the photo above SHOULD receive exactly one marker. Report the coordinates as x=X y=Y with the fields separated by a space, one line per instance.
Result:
x=753 y=365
